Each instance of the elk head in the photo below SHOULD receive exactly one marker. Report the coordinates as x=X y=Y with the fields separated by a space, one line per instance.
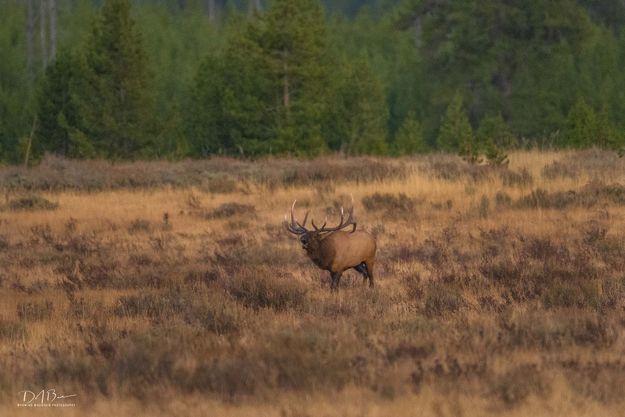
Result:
x=333 y=249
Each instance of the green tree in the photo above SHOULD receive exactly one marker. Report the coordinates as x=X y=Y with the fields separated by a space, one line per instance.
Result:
x=505 y=56
x=606 y=135
x=265 y=93
x=494 y=138
x=293 y=45
x=409 y=139
x=113 y=97
x=57 y=113
x=456 y=133
x=494 y=129
x=16 y=83
x=357 y=113
x=232 y=109
x=581 y=125
x=585 y=127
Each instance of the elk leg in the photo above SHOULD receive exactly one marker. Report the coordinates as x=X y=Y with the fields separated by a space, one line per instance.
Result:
x=369 y=269
x=362 y=269
x=336 y=278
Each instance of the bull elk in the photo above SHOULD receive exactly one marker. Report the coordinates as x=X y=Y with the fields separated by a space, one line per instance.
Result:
x=335 y=250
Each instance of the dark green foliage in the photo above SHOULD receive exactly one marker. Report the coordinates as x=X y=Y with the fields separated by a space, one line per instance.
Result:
x=586 y=128
x=364 y=78
x=16 y=83
x=206 y=116
x=409 y=138
x=95 y=102
x=293 y=45
x=456 y=134
x=262 y=94
x=455 y=131
x=58 y=115
x=495 y=137
x=581 y=125
x=357 y=113
x=112 y=95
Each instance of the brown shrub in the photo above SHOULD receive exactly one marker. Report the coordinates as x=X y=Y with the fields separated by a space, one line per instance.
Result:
x=590 y=195
x=231 y=209
x=484 y=207
x=441 y=299
x=209 y=313
x=12 y=330
x=556 y=330
x=221 y=184
x=4 y=242
x=139 y=225
x=580 y=294
x=511 y=178
x=390 y=203
x=361 y=170
x=540 y=198
x=503 y=199
x=256 y=291
x=602 y=382
x=452 y=168
x=55 y=173
x=557 y=169
x=32 y=202
x=516 y=385
x=35 y=311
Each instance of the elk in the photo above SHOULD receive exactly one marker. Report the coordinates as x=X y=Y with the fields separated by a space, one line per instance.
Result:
x=335 y=250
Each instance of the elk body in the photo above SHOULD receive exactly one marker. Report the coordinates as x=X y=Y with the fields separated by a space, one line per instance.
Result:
x=335 y=250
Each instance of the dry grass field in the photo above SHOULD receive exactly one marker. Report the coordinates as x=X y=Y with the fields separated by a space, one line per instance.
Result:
x=172 y=289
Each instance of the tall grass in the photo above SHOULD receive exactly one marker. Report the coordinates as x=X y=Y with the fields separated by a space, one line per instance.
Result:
x=176 y=291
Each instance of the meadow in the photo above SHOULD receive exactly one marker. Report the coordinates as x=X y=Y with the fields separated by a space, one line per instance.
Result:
x=171 y=288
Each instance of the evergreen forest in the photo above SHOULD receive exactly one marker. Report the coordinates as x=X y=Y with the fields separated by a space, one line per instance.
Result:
x=145 y=79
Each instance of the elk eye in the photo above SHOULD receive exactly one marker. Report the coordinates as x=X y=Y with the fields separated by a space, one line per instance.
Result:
x=304 y=240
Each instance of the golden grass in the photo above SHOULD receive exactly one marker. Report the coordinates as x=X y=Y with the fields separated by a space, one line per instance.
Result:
x=481 y=308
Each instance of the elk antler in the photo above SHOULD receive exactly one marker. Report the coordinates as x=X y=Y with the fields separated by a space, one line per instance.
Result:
x=343 y=223
x=294 y=227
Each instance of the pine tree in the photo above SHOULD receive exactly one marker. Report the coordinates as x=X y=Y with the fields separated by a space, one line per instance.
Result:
x=357 y=113
x=605 y=134
x=265 y=94
x=293 y=45
x=232 y=107
x=585 y=127
x=57 y=113
x=494 y=137
x=456 y=134
x=409 y=139
x=113 y=98
x=16 y=82
x=581 y=126
x=204 y=113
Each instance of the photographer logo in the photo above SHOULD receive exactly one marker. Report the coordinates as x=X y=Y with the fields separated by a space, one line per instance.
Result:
x=45 y=398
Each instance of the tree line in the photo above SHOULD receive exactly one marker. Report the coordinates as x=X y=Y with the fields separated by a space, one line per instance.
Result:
x=189 y=78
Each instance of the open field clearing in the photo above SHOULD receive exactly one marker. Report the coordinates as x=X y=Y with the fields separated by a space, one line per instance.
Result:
x=173 y=289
